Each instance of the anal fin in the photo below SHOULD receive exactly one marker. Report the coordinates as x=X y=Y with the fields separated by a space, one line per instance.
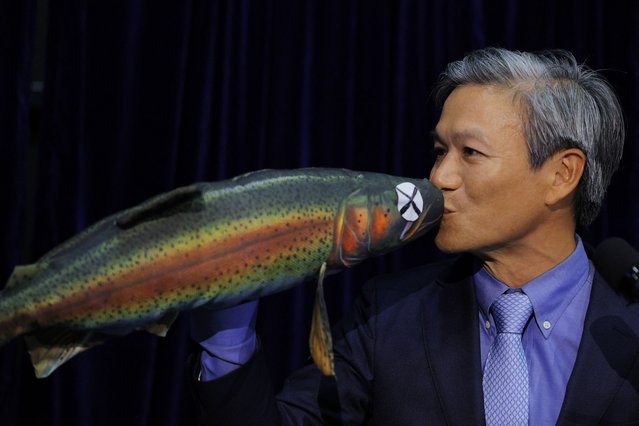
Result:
x=321 y=341
x=50 y=348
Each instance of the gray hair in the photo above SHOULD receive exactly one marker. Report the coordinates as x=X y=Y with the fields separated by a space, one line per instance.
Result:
x=564 y=105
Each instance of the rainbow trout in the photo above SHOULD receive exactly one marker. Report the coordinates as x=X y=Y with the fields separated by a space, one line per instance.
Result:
x=218 y=243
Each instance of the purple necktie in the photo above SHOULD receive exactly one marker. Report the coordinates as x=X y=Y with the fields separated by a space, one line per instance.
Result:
x=506 y=372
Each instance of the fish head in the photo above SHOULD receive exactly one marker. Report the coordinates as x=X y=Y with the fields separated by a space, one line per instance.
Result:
x=384 y=213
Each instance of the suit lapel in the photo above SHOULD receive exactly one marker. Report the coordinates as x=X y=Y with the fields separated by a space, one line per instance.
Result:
x=451 y=336
x=607 y=350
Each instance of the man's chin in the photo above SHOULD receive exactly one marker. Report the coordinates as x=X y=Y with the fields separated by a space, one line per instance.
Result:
x=449 y=245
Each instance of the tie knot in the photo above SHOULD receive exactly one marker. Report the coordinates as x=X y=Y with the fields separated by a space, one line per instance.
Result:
x=511 y=312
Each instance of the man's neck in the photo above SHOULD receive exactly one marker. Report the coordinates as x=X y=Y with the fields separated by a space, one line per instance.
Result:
x=519 y=264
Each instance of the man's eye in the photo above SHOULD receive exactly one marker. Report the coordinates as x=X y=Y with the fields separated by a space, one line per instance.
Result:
x=469 y=152
x=439 y=151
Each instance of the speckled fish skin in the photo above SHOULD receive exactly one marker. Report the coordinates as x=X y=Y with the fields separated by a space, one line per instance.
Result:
x=221 y=243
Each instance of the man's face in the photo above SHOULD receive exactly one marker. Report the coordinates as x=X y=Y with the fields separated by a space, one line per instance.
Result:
x=493 y=199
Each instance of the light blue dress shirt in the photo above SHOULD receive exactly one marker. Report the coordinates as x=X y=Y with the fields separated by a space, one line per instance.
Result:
x=551 y=339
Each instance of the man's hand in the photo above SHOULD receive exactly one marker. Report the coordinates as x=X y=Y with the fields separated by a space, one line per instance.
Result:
x=227 y=337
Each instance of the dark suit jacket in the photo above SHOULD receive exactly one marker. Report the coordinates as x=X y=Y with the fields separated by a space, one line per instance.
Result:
x=409 y=354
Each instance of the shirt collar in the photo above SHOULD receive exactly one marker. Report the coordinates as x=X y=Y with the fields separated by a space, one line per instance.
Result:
x=550 y=293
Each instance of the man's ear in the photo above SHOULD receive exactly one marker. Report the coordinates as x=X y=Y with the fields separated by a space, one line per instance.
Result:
x=567 y=167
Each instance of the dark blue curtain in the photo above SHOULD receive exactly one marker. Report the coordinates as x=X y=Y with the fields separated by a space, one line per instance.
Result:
x=143 y=96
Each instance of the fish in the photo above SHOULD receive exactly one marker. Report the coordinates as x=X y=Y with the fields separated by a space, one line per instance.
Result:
x=216 y=243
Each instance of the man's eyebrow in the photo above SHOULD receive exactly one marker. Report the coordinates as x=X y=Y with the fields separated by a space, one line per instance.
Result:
x=435 y=136
x=465 y=134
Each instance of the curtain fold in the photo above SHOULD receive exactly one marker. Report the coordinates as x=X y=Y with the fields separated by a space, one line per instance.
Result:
x=17 y=20
x=143 y=96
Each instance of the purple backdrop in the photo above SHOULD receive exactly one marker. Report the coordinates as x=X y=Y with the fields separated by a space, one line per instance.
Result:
x=143 y=96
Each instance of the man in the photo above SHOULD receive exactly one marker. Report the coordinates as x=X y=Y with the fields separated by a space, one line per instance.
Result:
x=525 y=146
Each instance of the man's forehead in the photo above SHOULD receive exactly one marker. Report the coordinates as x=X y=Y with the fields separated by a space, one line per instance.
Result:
x=476 y=112
x=477 y=96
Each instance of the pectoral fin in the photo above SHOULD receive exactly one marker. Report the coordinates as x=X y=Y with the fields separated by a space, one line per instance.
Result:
x=51 y=348
x=321 y=341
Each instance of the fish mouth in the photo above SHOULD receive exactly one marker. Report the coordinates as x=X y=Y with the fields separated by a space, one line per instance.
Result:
x=412 y=228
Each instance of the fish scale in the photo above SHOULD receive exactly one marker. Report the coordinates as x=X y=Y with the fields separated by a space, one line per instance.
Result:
x=219 y=243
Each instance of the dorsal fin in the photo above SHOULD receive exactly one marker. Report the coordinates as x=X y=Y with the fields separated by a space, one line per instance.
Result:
x=25 y=273
x=181 y=200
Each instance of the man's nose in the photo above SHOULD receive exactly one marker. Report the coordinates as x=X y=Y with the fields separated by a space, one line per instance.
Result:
x=445 y=174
